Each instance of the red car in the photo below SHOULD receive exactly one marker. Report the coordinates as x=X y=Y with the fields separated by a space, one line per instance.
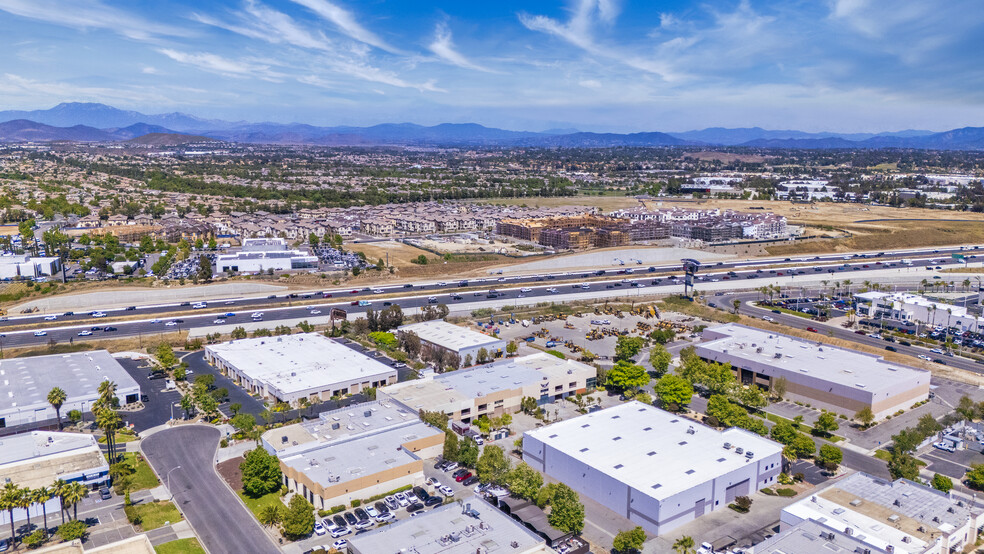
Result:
x=354 y=292
x=326 y=295
x=812 y=330
x=463 y=476
x=859 y=332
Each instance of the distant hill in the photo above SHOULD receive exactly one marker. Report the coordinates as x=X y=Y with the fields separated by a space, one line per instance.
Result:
x=744 y=135
x=167 y=139
x=101 y=116
x=20 y=130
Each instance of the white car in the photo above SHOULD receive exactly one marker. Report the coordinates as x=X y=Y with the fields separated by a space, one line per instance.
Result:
x=319 y=528
x=50 y=317
x=411 y=497
x=256 y=315
x=155 y=321
x=391 y=502
x=944 y=446
x=767 y=318
x=219 y=321
x=442 y=284
x=372 y=512
x=385 y=516
x=526 y=289
x=40 y=333
x=315 y=312
x=85 y=333
x=925 y=357
x=377 y=291
x=171 y=323
x=339 y=532
x=432 y=482
x=402 y=499
x=99 y=314
x=446 y=491
x=340 y=545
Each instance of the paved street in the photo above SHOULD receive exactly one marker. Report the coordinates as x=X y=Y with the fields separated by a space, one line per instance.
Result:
x=220 y=520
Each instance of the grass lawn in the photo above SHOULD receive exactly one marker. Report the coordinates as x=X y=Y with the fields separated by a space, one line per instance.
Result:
x=153 y=514
x=886 y=456
x=144 y=477
x=180 y=546
x=121 y=437
x=802 y=427
x=256 y=505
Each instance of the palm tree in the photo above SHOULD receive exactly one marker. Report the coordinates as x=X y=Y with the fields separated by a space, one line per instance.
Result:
x=847 y=283
x=107 y=394
x=57 y=397
x=58 y=489
x=923 y=284
x=10 y=501
x=26 y=500
x=41 y=496
x=74 y=493
x=966 y=285
x=684 y=545
x=109 y=421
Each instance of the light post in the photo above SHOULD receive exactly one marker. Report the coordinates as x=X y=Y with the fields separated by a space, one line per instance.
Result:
x=172 y=409
x=169 y=481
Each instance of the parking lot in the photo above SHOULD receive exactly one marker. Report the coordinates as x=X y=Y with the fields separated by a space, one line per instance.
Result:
x=157 y=400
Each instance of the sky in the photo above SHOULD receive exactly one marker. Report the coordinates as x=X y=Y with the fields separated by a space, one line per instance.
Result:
x=594 y=65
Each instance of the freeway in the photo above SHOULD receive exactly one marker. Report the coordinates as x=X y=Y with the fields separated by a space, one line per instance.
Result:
x=831 y=263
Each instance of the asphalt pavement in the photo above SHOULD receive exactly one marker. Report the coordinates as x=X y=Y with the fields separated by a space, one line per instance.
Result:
x=220 y=520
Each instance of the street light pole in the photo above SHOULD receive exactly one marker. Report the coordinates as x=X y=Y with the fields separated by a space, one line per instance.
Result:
x=169 y=481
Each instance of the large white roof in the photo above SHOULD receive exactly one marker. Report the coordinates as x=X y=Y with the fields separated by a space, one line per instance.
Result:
x=630 y=441
x=450 y=336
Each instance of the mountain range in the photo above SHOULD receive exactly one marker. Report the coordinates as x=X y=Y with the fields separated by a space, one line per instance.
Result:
x=92 y=122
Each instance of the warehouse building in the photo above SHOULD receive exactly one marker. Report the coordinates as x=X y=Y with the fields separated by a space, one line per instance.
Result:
x=900 y=516
x=13 y=266
x=354 y=453
x=475 y=527
x=26 y=382
x=259 y=255
x=653 y=467
x=292 y=368
x=837 y=379
x=39 y=458
x=496 y=388
x=437 y=334
x=809 y=537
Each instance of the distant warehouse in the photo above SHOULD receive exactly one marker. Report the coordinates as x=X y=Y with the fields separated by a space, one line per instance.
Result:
x=657 y=469
x=291 y=368
x=26 y=382
x=447 y=337
x=259 y=255
x=825 y=376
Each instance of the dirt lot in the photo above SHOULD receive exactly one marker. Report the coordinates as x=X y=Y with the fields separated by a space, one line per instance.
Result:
x=229 y=470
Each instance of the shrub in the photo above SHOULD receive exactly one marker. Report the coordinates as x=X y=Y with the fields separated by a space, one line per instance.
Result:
x=72 y=530
x=356 y=503
x=35 y=539
x=786 y=492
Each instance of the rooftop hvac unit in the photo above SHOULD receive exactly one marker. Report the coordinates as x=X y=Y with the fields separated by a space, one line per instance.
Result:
x=367 y=413
x=691 y=430
x=336 y=426
x=727 y=446
x=826 y=535
x=777 y=355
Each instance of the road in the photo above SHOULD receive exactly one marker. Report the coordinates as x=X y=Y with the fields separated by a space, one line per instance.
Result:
x=602 y=284
x=218 y=517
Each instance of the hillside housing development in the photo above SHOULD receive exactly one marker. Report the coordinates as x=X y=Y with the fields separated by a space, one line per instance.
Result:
x=653 y=467
x=39 y=458
x=27 y=381
x=843 y=381
x=354 y=453
x=307 y=367
x=889 y=516
x=496 y=388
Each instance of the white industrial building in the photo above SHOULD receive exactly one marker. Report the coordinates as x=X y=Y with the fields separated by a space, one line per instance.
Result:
x=38 y=458
x=439 y=334
x=259 y=255
x=354 y=452
x=802 y=189
x=900 y=516
x=26 y=382
x=653 y=467
x=291 y=368
x=475 y=527
x=837 y=379
x=13 y=266
x=914 y=309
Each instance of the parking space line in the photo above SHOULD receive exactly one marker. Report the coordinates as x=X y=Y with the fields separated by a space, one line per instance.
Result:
x=944 y=460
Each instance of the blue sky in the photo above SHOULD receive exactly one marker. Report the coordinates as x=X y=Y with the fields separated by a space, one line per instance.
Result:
x=601 y=65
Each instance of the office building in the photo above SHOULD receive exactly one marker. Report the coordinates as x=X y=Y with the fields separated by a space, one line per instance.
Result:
x=39 y=458
x=26 y=382
x=810 y=537
x=890 y=516
x=496 y=388
x=13 y=266
x=824 y=376
x=291 y=368
x=475 y=527
x=437 y=334
x=354 y=453
x=655 y=468
x=261 y=254
x=912 y=309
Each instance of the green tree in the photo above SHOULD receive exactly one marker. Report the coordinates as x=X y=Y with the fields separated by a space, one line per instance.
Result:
x=384 y=339
x=72 y=530
x=42 y=495
x=942 y=483
x=829 y=457
x=524 y=481
x=629 y=542
x=904 y=466
x=298 y=519
x=468 y=453
x=238 y=333
x=684 y=545
x=906 y=441
x=451 y=446
x=57 y=397
x=975 y=477
x=244 y=423
x=659 y=358
x=826 y=424
x=627 y=376
x=10 y=499
x=511 y=348
x=801 y=446
x=271 y=515
x=783 y=432
x=261 y=473
x=566 y=510
x=492 y=465
x=865 y=417
x=165 y=356
x=627 y=348
x=673 y=389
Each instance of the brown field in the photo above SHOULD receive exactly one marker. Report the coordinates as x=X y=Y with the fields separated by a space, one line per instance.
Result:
x=888 y=235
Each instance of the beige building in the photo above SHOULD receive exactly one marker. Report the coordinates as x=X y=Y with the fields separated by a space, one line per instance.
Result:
x=354 y=453
x=496 y=388
x=138 y=544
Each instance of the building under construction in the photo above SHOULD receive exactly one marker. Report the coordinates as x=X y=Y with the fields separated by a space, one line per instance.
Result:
x=582 y=231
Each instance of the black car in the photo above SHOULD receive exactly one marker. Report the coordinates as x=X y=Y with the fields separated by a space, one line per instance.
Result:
x=131 y=308
x=433 y=501
x=470 y=481
x=179 y=321
x=408 y=286
x=186 y=303
x=271 y=297
x=350 y=518
x=361 y=514
x=939 y=361
x=905 y=343
x=68 y=313
x=891 y=349
x=339 y=521
x=95 y=328
x=156 y=375
x=439 y=464
x=415 y=507
x=776 y=311
x=109 y=329
x=381 y=507
x=460 y=471
x=421 y=493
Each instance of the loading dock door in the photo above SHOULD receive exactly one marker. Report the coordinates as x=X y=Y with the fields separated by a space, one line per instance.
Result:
x=736 y=490
x=699 y=507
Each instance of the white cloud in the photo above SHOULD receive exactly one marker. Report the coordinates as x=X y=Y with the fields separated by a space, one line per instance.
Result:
x=17 y=89
x=223 y=66
x=443 y=47
x=89 y=14
x=346 y=22
x=590 y=83
x=261 y=22
x=149 y=70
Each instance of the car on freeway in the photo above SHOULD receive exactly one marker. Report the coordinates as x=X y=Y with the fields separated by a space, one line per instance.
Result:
x=525 y=289
x=98 y=314
x=50 y=317
x=155 y=320
x=109 y=329
x=924 y=357
x=40 y=333
x=860 y=332
x=891 y=349
x=85 y=333
x=171 y=323
x=936 y=351
x=218 y=321
x=812 y=330
x=768 y=318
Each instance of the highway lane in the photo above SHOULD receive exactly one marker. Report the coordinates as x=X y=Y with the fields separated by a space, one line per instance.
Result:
x=830 y=263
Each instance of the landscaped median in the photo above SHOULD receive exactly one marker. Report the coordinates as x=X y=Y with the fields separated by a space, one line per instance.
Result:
x=180 y=546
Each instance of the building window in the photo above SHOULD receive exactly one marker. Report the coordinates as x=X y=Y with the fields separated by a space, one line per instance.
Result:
x=559 y=387
x=483 y=407
x=466 y=411
x=572 y=385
